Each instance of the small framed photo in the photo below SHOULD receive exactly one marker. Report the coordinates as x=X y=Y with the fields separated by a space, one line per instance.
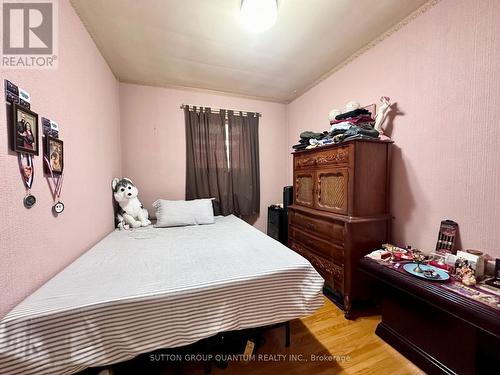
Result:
x=373 y=110
x=25 y=130
x=54 y=152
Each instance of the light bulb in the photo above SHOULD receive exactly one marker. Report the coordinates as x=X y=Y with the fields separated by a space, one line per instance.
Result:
x=258 y=15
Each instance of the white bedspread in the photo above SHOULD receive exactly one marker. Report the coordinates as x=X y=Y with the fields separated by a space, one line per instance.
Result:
x=137 y=291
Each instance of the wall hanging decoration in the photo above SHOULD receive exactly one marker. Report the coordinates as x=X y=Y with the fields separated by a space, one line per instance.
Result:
x=54 y=166
x=55 y=184
x=14 y=94
x=53 y=161
x=27 y=169
x=23 y=134
x=25 y=130
x=54 y=153
x=50 y=127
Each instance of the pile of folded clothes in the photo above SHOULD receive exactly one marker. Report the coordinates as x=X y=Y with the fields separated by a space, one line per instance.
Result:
x=308 y=138
x=359 y=117
x=356 y=124
x=356 y=132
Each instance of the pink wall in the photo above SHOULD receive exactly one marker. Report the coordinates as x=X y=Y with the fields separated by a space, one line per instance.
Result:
x=82 y=96
x=154 y=144
x=443 y=70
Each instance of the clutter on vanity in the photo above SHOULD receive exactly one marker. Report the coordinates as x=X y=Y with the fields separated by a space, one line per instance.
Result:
x=462 y=272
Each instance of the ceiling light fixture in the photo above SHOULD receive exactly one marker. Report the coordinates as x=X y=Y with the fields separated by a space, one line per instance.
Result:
x=258 y=15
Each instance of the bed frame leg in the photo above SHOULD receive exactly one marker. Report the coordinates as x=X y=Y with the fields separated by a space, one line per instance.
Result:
x=287 y=334
x=179 y=369
x=207 y=368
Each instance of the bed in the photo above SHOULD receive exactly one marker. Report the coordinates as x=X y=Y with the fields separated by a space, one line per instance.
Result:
x=151 y=288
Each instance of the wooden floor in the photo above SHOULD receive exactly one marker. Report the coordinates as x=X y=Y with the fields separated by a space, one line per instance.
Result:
x=326 y=333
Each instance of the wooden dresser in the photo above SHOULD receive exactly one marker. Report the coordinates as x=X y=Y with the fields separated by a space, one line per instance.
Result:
x=340 y=211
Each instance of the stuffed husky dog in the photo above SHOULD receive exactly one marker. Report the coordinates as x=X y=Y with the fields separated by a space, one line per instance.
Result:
x=131 y=213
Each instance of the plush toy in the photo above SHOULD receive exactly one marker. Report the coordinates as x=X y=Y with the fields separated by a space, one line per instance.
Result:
x=131 y=213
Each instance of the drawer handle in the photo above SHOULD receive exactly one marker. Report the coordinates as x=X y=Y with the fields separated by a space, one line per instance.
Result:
x=310 y=226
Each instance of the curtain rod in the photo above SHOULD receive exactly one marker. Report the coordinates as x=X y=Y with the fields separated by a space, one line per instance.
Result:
x=216 y=110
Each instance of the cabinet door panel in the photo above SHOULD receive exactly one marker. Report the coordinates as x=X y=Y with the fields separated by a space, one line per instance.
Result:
x=332 y=190
x=303 y=186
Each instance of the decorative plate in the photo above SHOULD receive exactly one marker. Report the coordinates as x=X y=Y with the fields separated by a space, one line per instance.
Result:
x=440 y=274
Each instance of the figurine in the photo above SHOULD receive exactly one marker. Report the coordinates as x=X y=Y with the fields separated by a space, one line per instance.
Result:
x=381 y=113
x=469 y=278
x=418 y=258
x=464 y=272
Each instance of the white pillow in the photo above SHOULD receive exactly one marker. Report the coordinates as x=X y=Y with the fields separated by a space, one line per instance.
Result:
x=180 y=213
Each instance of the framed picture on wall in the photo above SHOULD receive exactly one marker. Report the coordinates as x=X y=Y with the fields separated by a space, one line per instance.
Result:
x=25 y=130
x=54 y=152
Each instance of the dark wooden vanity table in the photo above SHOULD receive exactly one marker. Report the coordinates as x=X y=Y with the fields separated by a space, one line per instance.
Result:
x=437 y=329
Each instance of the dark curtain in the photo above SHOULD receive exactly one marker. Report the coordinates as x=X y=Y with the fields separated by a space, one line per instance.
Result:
x=244 y=162
x=235 y=184
x=207 y=173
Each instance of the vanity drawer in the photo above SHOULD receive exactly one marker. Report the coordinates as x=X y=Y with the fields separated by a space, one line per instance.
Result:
x=327 y=229
x=318 y=246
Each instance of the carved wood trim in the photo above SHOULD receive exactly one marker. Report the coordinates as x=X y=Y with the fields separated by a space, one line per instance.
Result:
x=315 y=260
x=306 y=162
x=337 y=156
x=332 y=156
x=335 y=271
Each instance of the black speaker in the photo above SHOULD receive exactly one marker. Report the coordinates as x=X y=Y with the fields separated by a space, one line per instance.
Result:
x=277 y=217
x=287 y=196
x=275 y=221
x=287 y=201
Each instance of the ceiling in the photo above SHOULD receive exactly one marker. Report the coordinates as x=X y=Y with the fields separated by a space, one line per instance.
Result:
x=201 y=44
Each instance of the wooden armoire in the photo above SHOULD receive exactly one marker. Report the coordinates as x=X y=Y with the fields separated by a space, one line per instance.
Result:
x=340 y=211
